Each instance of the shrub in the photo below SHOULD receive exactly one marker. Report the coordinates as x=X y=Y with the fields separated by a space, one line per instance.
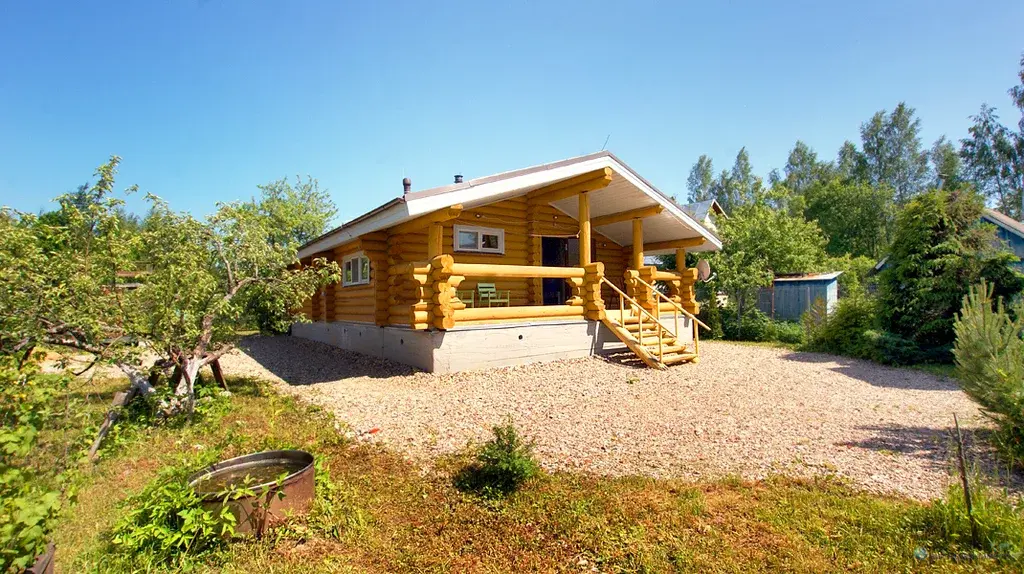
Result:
x=28 y=505
x=989 y=356
x=940 y=248
x=843 y=330
x=787 y=332
x=946 y=527
x=502 y=465
x=166 y=522
x=755 y=326
x=890 y=349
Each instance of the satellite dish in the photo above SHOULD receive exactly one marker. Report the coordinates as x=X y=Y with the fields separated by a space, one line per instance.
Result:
x=703 y=270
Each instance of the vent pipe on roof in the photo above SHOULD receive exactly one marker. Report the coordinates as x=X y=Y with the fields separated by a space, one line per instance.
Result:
x=406 y=185
x=458 y=178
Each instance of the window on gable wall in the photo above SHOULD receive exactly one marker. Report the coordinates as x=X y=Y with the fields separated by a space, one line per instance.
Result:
x=355 y=270
x=479 y=239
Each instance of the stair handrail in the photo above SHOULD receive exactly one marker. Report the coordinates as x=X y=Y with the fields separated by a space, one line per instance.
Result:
x=673 y=303
x=640 y=321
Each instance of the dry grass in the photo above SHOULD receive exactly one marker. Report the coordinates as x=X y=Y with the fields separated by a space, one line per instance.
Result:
x=393 y=516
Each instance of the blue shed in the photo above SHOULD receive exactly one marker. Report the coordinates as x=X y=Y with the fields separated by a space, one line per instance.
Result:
x=1010 y=231
x=790 y=296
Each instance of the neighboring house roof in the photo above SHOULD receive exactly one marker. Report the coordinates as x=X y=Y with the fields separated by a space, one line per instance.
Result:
x=701 y=209
x=1005 y=221
x=627 y=190
x=809 y=277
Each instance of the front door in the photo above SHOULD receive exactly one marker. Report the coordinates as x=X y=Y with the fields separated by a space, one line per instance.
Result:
x=557 y=252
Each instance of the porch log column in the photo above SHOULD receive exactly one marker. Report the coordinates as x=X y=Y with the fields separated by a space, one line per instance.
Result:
x=442 y=299
x=592 y=301
x=637 y=260
x=584 y=218
x=435 y=239
x=675 y=291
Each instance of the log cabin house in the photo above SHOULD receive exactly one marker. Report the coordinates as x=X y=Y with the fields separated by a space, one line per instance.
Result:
x=536 y=264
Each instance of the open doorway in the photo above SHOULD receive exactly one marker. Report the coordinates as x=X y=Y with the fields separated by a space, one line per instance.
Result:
x=558 y=252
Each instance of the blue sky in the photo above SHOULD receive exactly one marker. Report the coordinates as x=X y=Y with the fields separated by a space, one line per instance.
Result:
x=206 y=99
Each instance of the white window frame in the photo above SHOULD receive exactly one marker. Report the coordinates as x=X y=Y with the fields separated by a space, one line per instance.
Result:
x=480 y=232
x=356 y=260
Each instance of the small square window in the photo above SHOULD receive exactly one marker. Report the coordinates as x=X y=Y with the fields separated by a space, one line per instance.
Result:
x=489 y=241
x=356 y=270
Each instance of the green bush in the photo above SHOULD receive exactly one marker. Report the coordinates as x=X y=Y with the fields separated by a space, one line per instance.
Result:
x=843 y=331
x=787 y=332
x=758 y=327
x=945 y=526
x=940 y=248
x=166 y=522
x=890 y=349
x=989 y=356
x=28 y=504
x=502 y=465
x=755 y=326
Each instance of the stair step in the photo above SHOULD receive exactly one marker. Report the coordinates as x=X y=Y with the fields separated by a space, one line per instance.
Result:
x=666 y=348
x=679 y=358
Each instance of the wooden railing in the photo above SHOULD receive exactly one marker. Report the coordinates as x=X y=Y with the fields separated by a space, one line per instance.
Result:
x=660 y=329
x=432 y=286
x=676 y=309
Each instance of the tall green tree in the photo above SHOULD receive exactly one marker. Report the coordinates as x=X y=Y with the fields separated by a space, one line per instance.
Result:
x=939 y=249
x=758 y=242
x=803 y=168
x=991 y=161
x=701 y=179
x=850 y=162
x=946 y=164
x=854 y=216
x=993 y=155
x=892 y=153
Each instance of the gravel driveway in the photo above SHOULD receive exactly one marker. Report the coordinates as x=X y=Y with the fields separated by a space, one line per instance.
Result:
x=744 y=410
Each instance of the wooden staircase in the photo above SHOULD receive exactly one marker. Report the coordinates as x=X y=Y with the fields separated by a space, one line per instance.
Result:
x=658 y=345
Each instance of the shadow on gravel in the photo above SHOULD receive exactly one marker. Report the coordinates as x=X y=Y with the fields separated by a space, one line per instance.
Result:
x=933 y=445
x=937 y=447
x=875 y=374
x=303 y=362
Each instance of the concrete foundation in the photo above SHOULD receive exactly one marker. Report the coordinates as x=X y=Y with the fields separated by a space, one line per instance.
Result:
x=470 y=347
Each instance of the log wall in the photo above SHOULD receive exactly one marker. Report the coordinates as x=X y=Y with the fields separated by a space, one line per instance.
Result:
x=399 y=297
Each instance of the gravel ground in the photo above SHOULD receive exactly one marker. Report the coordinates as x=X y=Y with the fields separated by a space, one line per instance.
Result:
x=743 y=410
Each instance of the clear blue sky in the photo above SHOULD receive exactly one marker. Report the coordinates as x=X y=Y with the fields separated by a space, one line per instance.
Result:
x=204 y=99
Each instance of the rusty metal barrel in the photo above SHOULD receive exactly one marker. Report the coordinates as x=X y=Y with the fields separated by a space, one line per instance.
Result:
x=262 y=474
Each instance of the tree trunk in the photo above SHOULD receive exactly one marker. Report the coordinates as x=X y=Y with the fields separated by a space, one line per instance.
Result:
x=138 y=379
x=187 y=386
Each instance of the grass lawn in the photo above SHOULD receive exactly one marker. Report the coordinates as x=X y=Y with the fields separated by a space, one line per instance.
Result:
x=389 y=515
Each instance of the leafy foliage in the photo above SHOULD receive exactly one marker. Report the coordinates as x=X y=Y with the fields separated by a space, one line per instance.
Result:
x=854 y=216
x=167 y=522
x=502 y=465
x=28 y=503
x=989 y=352
x=759 y=241
x=945 y=526
x=939 y=249
x=892 y=155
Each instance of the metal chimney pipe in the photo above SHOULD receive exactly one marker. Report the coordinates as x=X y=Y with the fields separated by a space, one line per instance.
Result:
x=406 y=185
x=458 y=178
